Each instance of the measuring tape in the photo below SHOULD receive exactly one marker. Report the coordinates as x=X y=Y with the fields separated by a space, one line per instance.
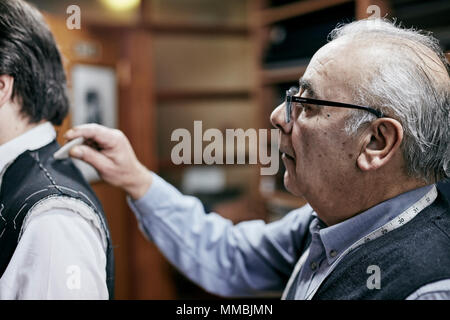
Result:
x=395 y=223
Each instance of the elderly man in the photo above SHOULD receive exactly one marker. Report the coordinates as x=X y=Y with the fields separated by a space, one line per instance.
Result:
x=364 y=140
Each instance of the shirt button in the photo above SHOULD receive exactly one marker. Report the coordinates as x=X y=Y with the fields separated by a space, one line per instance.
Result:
x=333 y=253
x=313 y=265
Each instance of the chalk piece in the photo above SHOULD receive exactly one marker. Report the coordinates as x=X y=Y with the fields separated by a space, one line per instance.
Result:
x=63 y=152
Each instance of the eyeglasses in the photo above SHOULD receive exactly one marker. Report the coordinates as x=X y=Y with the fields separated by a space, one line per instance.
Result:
x=290 y=98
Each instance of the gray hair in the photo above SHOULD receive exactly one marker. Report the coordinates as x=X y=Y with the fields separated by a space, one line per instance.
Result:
x=405 y=87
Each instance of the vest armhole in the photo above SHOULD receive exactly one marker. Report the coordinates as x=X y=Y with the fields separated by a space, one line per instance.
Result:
x=55 y=201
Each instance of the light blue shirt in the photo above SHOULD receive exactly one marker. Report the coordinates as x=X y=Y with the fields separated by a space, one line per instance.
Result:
x=253 y=258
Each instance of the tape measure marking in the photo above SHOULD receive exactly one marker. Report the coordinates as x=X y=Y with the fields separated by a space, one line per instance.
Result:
x=395 y=223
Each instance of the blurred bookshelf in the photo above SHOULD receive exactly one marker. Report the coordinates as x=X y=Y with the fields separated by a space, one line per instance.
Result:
x=204 y=70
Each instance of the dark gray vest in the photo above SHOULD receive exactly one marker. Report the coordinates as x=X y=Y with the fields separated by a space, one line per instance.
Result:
x=34 y=176
x=409 y=257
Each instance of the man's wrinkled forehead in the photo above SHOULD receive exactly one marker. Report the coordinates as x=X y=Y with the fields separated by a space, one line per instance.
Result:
x=327 y=71
x=334 y=69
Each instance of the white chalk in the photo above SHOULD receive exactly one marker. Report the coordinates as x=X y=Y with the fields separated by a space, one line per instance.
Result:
x=63 y=152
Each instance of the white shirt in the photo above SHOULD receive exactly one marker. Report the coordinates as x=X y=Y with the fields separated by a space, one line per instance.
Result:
x=61 y=252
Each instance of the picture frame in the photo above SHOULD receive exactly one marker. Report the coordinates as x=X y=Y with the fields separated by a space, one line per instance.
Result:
x=94 y=100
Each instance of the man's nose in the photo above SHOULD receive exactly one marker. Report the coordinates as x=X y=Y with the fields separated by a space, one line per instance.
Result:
x=278 y=119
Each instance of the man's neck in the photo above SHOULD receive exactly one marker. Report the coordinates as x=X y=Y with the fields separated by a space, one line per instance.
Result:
x=334 y=212
x=13 y=126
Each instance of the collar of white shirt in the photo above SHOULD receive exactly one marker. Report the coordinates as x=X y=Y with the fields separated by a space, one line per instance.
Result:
x=33 y=139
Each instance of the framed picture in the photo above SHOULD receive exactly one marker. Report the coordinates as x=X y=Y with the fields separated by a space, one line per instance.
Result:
x=94 y=100
x=94 y=95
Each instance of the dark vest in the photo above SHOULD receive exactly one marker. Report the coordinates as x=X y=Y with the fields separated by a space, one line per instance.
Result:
x=444 y=187
x=409 y=257
x=35 y=176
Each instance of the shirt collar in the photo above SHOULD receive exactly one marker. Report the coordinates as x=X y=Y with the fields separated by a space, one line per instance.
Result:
x=32 y=139
x=337 y=238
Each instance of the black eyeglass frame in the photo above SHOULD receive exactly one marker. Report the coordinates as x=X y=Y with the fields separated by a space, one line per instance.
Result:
x=290 y=98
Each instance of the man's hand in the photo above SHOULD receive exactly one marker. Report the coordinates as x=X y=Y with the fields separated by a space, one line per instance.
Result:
x=115 y=160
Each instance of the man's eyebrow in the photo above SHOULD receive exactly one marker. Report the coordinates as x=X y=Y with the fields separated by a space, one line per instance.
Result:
x=306 y=85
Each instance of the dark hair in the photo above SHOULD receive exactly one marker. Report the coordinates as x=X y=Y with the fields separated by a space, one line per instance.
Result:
x=29 y=54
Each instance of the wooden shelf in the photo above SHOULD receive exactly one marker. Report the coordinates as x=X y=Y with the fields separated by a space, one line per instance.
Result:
x=170 y=95
x=200 y=29
x=280 y=75
x=272 y=15
x=177 y=29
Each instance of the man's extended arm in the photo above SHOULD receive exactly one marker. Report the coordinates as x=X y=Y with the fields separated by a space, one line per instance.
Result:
x=228 y=260
x=250 y=258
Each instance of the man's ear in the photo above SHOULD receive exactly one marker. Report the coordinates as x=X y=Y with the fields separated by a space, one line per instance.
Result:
x=6 y=88
x=381 y=140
